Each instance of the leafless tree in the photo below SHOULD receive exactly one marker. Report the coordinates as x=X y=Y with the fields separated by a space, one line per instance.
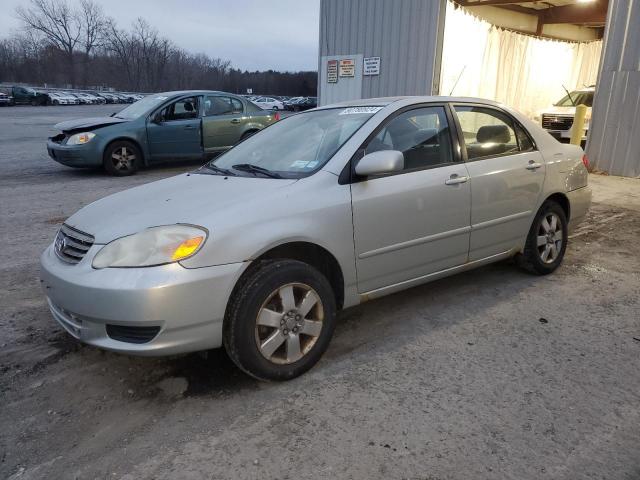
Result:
x=92 y=24
x=57 y=23
x=57 y=38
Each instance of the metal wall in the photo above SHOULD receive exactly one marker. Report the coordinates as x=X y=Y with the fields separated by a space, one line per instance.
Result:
x=614 y=143
x=405 y=34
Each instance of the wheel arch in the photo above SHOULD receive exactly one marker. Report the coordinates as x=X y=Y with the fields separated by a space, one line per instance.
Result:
x=307 y=252
x=562 y=200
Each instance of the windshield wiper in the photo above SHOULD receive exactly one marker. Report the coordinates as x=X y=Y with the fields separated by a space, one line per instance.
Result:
x=249 y=167
x=215 y=168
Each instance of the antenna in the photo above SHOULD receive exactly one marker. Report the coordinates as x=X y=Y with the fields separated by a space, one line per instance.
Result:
x=457 y=80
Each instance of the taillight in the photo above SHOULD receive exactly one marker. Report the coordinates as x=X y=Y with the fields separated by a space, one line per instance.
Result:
x=276 y=116
x=585 y=160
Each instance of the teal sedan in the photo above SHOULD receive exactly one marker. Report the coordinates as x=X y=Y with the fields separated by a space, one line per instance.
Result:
x=186 y=125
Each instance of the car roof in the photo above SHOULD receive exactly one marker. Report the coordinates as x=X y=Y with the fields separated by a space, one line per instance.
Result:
x=384 y=101
x=194 y=92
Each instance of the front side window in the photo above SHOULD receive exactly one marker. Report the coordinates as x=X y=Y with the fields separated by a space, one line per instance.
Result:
x=183 y=109
x=299 y=145
x=214 y=105
x=487 y=132
x=422 y=135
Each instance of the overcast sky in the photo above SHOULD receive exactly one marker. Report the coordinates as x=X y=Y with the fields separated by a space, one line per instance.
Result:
x=253 y=34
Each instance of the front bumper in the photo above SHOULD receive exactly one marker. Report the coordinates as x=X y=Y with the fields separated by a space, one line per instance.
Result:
x=87 y=155
x=188 y=305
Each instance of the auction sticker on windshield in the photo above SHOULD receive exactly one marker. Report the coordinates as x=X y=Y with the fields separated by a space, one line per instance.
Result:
x=356 y=110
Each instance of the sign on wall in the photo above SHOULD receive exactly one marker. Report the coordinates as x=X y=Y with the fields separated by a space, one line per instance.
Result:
x=332 y=71
x=348 y=67
x=371 y=66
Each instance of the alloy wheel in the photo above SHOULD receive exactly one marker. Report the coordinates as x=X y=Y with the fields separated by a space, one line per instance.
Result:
x=123 y=158
x=550 y=238
x=289 y=323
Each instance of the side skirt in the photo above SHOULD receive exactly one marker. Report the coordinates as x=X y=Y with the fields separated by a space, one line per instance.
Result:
x=396 y=287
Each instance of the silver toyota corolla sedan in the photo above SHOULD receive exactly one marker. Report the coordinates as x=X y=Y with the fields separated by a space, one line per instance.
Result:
x=258 y=249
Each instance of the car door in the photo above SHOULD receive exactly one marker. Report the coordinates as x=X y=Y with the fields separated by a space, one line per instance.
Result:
x=222 y=122
x=414 y=222
x=506 y=176
x=175 y=130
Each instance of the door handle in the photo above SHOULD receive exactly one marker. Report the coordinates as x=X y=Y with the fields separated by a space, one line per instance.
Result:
x=189 y=127
x=533 y=165
x=455 y=179
x=235 y=120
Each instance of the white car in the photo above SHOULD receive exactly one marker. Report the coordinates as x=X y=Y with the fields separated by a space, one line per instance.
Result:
x=558 y=119
x=269 y=103
x=258 y=249
x=60 y=98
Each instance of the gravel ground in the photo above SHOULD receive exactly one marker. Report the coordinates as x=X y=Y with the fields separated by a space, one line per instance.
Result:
x=490 y=374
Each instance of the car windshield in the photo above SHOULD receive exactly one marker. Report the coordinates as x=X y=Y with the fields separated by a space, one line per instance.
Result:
x=141 y=107
x=578 y=97
x=296 y=146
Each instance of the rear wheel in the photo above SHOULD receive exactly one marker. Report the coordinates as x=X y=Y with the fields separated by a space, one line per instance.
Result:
x=547 y=240
x=122 y=158
x=280 y=320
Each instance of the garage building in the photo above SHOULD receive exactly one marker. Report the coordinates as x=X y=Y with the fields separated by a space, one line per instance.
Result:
x=524 y=53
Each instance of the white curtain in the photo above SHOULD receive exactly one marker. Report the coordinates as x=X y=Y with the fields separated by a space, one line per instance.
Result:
x=522 y=71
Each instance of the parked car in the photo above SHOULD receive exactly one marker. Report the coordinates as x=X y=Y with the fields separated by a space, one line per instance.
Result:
x=269 y=103
x=257 y=250
x=165 y=126
x=6 y=100
x=108 y=97
x=95 y=99
x=558 y=119
x=62 y=98
x=82 y=100
x=27 y=96
x=302 y=103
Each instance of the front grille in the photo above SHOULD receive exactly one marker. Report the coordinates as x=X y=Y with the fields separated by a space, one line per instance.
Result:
x=72 y=245
x=129 y=334
x=556 y=122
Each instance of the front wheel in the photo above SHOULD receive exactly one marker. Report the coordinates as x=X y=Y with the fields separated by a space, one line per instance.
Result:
x=122 y=158
x=547 y=240
x=280 y=320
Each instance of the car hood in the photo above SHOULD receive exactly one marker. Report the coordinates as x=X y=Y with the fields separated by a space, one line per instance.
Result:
x=189 y=198
x=87 y=123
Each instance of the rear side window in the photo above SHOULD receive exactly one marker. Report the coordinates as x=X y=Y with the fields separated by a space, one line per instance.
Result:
x=221 y=106
x=487 y=132
x=524 y=141
x=422 y=135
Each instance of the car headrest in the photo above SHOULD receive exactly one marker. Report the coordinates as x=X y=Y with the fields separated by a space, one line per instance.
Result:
x=493 y=134
x=188 y=107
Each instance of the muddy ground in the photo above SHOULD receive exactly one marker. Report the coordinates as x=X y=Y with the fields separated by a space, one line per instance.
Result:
x=489 y=374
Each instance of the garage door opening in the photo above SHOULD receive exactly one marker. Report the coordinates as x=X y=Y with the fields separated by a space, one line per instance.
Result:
x=509 y=53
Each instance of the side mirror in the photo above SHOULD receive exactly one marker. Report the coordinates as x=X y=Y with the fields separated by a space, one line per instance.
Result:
x=379 y=163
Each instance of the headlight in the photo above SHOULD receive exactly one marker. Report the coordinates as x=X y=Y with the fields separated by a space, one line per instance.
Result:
x=154 y=246
x=80 y=138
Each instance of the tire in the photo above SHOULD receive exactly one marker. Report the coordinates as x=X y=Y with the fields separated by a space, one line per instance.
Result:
x=122 y=158
x=547 y=240
x=56 y=102
x=34 y=103
x=266 y=332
